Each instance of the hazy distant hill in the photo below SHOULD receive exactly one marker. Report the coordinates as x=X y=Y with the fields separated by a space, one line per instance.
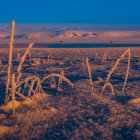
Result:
x=74 y=36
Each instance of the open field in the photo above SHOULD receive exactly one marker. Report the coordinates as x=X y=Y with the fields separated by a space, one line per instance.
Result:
x=65 y=112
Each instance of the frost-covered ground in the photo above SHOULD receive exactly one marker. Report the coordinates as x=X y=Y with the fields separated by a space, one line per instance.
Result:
x=74 y=113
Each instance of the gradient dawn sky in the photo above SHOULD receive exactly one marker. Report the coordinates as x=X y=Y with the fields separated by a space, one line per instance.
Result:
x=71 y=11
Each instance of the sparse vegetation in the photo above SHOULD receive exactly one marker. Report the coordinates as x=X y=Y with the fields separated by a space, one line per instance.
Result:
x=57 y=97
x=10 y=58
x=115 y=66
x=34 y=80
x=91 y=83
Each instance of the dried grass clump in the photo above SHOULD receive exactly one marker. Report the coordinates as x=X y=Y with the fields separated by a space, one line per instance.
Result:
x=96 y=56
x=16 y=88
x=89 y=72
x=29 y=53
x=13 y=89
x=53 y=83
x=35 y=86
x=36 y=62
x=13 y=93
x=18 y=56
x=100 y=80
x=38 y=87
x=59 y=76
x=10 y=56
x=115 y=67
x=104 y=57
x=110 y=85
x=60 y=79
x=18 y=77
x=24 y=56
x=13 y=82
x=4 y=68
x=50 y=60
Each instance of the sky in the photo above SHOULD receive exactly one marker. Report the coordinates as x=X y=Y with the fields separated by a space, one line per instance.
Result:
x=70 y=11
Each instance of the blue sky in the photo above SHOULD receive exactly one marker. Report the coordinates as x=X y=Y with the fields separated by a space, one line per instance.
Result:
x=71 y=11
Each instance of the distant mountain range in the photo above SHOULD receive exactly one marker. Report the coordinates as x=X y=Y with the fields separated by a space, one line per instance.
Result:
x=76 y=36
